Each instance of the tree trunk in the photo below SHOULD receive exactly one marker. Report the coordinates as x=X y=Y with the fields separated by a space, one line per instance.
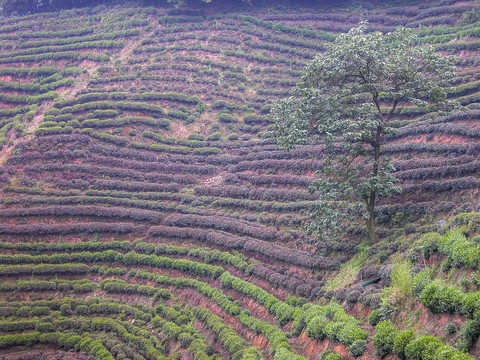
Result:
x=370 y=222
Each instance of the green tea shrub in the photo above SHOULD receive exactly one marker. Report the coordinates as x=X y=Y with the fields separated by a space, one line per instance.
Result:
x=357 y=348
x=383 y=340
x=227 y=118
x=401 y=341
x=423 y=348
x=329 y=355
x=196 y=136
x=214 y=137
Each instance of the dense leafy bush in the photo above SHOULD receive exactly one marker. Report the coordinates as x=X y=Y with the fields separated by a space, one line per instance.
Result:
x=233 y=343
x=423 y=348
x=282 y=311
x=375 y=317
x=384 y=338
x=227 y=118
x=469 y=335
x=402 y=339
x=357 y=348
x=440 y=298
x=329 y=321
x=44 y=229
x=329 y=355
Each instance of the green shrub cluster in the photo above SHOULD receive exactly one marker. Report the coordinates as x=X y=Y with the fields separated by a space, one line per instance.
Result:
x=33 y=87
x=276 y=337
x=408 y=346
x=227 y=118
x=216 y=136
x=114 y=139
x=329 y=321
x=63 y=340
x=206 y=254
x=161 y=148
x=230 y=340
x=438 y=297
x=96 y=123
x=35 y=72
x=196 y=137
x=401 y=341
x=27 y=99
x=329 y=355
x=103 y=44
x=158 y=138
x=69 y=55
x=55 y=40
x=43 y=269
x=384 y=338
x=282 y=311
x=77 y=286
x=54 y=130
x=62 y=258
x=110 y=105
x=205 y=151
x=182 y=115
x=130 y=258
x=141 y=339
x=170 y=96
x=278 y=27
x=66 y=246
x=116 y=286
x=469 y=334
x=194 y=147
x=357 y=348
x=459 y=250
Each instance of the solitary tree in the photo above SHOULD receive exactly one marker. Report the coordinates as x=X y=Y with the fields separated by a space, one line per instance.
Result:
x=345 y=102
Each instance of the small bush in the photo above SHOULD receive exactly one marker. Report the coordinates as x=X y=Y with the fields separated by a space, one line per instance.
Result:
x=196 y=136
x=185 y=339
x=66 y=309
x=45 y=327
x=401 y=341
x=375 y=317
x=449 y=353
x=469 y=335
x=24 y=311
x=329 y=355
x=439 y=298
x=423 y=348
x=214 y=137
x=421 y=280
x=81 y=309
x=40 y=310
x=451 y=328
x=227 y=118
x=250 y=118
x=358 y=348
x=383 y=340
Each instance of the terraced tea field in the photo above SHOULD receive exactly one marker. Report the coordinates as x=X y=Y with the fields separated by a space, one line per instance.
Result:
x=147 y=212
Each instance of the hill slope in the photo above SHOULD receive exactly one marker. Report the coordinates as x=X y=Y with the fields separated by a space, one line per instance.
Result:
x=147 y=212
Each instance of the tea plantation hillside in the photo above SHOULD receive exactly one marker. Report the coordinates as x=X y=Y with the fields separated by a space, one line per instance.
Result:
x=146 y=211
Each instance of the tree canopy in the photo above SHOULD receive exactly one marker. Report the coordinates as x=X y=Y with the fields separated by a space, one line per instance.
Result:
x=345 y=102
